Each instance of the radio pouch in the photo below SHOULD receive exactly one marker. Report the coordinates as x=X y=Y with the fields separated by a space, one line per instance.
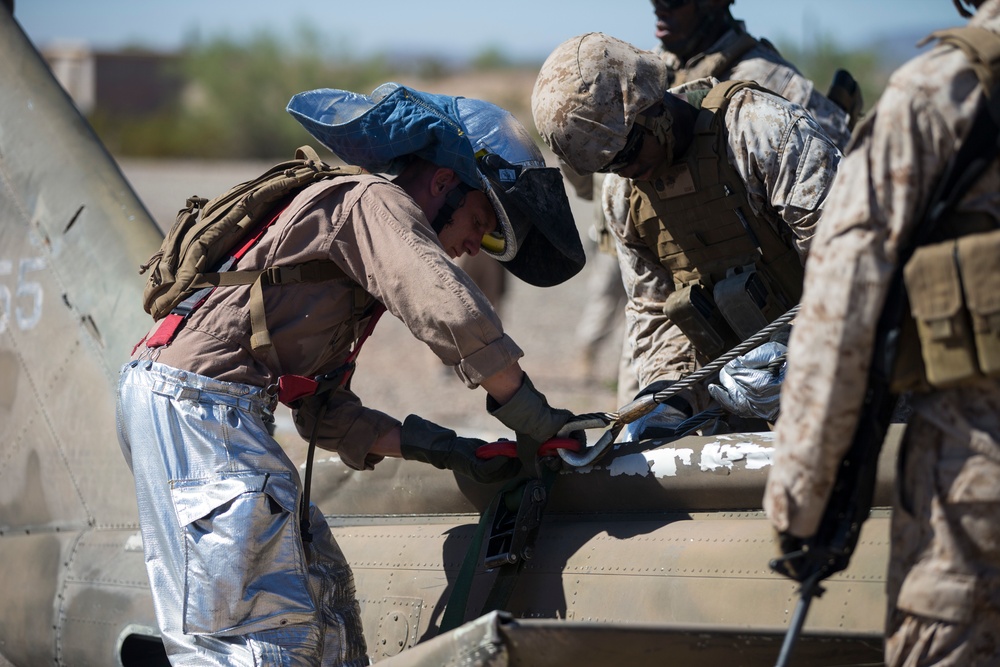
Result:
x=745 y=301
x=694 y=312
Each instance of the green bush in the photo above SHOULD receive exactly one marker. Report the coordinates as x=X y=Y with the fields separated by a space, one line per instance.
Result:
x=233 y=97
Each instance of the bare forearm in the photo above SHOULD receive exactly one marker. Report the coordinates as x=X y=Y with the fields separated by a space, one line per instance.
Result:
x=388 y=444
x=503 y=385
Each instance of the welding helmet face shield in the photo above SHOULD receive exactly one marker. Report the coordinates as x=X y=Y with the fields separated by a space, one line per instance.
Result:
x=488 y=149
x=540 y=243
x=536 y=208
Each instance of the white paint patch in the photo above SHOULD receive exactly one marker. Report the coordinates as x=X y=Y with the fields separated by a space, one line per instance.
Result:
x=666 y=462
x=334 y=459
x=632 y=464
x=717 y=455
x=134 y=542
x=663 y=462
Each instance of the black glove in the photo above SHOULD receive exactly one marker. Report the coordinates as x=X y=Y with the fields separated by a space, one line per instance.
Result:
x=528 y=414
x=427 y=442
x=796 y=561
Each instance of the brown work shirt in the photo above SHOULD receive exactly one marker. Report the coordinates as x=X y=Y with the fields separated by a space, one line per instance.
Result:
x=382 y=241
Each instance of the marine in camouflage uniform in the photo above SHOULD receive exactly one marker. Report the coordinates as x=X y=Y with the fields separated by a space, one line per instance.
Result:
x=733 y=55
x=944 y=571
x=585 y=102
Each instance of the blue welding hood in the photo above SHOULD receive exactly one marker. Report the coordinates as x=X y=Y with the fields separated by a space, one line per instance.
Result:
x=485 y=145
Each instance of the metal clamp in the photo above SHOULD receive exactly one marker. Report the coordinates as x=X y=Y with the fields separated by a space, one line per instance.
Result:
x=617 y=420
x=515 y=523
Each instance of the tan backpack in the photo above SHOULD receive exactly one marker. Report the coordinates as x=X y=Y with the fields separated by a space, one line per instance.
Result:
x=209 y=236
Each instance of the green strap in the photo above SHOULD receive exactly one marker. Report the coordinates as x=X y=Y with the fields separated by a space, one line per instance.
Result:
x=316 y=271
x=506 y=578
x=454 y=612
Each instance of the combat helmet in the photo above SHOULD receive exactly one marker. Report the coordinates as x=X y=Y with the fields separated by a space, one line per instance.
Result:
x=537 y=239
x=590 y=92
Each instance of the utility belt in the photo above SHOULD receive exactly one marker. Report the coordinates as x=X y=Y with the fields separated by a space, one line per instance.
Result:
x=954 y=335
x=716 y=320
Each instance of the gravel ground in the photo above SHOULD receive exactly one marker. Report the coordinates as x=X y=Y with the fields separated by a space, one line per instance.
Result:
x=396 y=373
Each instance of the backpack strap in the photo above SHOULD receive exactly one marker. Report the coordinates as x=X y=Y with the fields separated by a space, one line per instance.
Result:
x=715 y=64
x=719 y=96
x=204 y=284
x=710 y=139
x=310 y=272
x=981 y=47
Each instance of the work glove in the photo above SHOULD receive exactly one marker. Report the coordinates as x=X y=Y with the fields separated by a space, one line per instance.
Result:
x=750 y=385
x=533 y=421
x=425 y=441
x=664 y=419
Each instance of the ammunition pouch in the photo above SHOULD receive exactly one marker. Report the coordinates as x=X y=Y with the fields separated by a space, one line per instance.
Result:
x=954 y=293
x=696 y=314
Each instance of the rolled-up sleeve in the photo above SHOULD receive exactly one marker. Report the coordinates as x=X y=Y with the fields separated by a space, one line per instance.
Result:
x=786 y=160
x=347 y=427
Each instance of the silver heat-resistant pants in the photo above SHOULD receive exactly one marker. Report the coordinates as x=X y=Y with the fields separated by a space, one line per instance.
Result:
x=233 y=582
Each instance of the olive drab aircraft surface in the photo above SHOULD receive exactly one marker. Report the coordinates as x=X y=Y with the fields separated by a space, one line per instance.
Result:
x=652 y=557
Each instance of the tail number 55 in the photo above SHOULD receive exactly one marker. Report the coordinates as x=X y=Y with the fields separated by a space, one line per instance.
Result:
x=26 y=301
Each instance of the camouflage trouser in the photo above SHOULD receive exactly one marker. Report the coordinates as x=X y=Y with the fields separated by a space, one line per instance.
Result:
x=944 y=575
x=233 y=582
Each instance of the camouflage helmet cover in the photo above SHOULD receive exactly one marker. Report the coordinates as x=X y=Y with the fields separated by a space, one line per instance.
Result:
x=587 y=96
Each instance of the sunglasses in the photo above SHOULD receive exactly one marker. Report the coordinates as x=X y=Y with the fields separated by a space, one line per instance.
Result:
x=628 y=153
x=669 y=5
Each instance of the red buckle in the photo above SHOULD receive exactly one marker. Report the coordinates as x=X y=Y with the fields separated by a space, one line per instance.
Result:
x=293 y=387
x=166 y=331
x=508 y=448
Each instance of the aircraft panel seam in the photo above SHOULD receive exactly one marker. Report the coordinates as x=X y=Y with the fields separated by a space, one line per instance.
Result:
x=58 y=442
x=61 y=597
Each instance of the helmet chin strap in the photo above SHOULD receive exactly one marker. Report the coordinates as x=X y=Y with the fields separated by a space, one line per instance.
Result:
x=452 y=202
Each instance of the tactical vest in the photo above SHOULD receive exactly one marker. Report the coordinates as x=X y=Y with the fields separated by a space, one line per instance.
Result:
x=733 y=271
x=714 y=64
x=953 y=284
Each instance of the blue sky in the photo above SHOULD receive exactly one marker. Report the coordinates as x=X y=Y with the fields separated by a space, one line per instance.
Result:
x=523 y=29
